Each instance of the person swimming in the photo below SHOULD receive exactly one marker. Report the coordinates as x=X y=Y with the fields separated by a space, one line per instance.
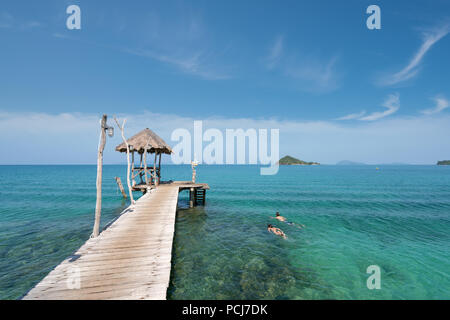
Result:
x=280 y=218
x=276 y=231
x=283 y=219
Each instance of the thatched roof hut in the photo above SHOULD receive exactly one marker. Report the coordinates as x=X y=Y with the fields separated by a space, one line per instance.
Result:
x=140 y=142
x=146 y=139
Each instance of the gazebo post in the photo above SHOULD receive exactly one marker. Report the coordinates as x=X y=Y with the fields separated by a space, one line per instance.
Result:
x=145 y=165
x=154 y=170
x=140 y=168
x=159 y=168
x=133 y=182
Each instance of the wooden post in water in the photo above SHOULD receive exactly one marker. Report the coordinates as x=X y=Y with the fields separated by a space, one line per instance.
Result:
x=119 y=183
x=98 y=204
x=191 y=198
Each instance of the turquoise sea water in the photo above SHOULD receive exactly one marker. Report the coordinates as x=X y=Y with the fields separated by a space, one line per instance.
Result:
x=397 y=217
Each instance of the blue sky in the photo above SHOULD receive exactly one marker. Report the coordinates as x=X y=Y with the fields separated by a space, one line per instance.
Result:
x=295 y=64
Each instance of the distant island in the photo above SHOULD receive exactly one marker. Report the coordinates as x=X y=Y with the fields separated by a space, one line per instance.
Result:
x=349 y=163
x=443 y=163
x=288 y=160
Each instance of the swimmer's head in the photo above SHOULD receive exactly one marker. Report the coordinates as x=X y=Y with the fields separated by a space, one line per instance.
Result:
x=269 y=226
x=277 y=214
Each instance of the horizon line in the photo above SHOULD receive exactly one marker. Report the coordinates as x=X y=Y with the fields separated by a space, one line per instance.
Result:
x=224 y=164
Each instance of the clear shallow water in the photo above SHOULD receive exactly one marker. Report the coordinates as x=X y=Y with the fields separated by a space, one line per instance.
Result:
x=397 y=217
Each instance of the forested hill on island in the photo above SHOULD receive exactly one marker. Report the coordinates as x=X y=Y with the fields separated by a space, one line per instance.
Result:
x=443 y=163
x=288 y=160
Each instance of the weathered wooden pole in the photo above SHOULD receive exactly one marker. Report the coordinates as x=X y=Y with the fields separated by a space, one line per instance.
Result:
x=191 y=198
x=130 y=190
x=119 y=183
x=159 y=167
x=128 y=158
x=98 y=204
x=194 y=172
x=145 y=165
x=133 y=182
x=140 y=169
x=154 y=170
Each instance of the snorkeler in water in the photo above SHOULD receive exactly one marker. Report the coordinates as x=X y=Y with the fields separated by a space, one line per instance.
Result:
x=283 y=219
x=279 y=218
x=276 y=231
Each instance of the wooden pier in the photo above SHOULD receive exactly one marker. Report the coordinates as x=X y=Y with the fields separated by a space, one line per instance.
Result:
x=197 y=191
x=131 y=259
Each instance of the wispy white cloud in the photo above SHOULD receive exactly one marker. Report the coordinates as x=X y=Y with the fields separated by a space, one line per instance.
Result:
x=307 y=72
x=430 y=37
x=275 y=52
x=8 y=21
x=352 y=116
x=194 y=63
x=314 y=75
x=60 y=35
x=183 y=43
x=392 y=104
x=30 y=25
x=441 y=104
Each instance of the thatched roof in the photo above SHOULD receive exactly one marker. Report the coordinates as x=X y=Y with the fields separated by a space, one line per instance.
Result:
x=145 y=138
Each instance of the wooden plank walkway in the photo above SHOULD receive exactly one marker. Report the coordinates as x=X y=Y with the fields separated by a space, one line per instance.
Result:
x=129 y=260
